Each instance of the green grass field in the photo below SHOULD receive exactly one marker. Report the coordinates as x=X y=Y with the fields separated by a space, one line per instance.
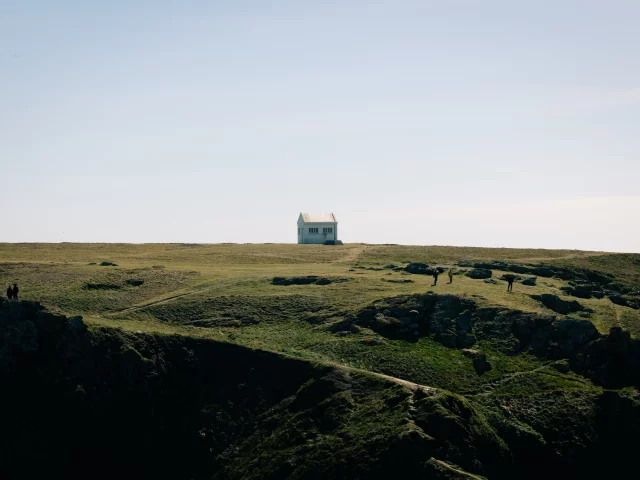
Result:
x=373 y=410
x=225 y=292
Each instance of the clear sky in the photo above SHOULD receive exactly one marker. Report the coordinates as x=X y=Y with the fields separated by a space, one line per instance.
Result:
x=452 y=122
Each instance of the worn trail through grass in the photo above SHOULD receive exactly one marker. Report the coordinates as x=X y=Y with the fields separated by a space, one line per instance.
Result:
x=150 y=304
x=489 y=388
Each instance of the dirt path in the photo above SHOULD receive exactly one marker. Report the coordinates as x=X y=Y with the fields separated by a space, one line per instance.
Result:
x=160 y=301
x=457 y=473
x=145 y=305
x=618 y=317
x=507 y=378
x=399 y=381
x=353 y=254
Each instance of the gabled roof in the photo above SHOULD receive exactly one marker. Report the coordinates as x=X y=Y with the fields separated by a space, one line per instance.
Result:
x=318 y=217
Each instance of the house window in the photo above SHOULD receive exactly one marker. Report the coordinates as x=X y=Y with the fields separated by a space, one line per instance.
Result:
x=313 y=231
x=299 y=231
x=327 y=230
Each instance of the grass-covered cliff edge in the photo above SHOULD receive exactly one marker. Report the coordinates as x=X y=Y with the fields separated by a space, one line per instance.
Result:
x=274 y=361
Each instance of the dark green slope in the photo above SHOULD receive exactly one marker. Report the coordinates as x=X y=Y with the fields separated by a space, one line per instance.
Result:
x=100 y=402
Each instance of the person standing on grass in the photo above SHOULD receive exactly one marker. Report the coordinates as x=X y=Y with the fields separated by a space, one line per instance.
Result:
x=435 y=277
x=510 y=279
x=450 y=273
x=9 y=293
x=15 y=291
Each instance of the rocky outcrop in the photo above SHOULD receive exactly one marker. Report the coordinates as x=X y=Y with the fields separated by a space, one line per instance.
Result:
x=625 y=300
x=479 y=273
x=457 y=322
x=546 y=271
x=581 y=290
x=528 y=281
x=479 y=360
x=616 y=292
x=619 y=299
x=613 y=360
x=558 y=305
x=419 y=269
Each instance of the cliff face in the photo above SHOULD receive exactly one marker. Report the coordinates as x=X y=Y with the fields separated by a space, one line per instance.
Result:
x=98 y=402
x=140 y=404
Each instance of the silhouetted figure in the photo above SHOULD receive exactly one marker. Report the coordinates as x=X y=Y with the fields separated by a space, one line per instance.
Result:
x=9 y=292
x=450 y=273
x=15 y=291
x=510 y=279
x=435 y=277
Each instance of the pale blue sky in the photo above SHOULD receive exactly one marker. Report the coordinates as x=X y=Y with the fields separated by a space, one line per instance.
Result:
x=458 y=122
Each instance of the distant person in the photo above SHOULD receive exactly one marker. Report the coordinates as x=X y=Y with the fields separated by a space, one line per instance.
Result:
x=435 y=277
x=15 y=291
x=9 y=292
x=510 y=279
x=450 y=273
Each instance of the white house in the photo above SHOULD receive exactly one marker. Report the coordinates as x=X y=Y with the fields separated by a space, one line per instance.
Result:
x=317 y=228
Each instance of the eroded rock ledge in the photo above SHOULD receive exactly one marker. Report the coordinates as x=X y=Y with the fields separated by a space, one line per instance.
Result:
x=611 y=360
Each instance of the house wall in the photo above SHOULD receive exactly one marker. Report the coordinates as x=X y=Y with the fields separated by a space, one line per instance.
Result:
x=306 y=237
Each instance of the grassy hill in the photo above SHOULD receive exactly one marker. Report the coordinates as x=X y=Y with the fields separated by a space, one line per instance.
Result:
x=200 y=280
x=227 y=294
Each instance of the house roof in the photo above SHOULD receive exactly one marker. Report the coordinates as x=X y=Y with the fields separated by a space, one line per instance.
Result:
x=318 y=217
